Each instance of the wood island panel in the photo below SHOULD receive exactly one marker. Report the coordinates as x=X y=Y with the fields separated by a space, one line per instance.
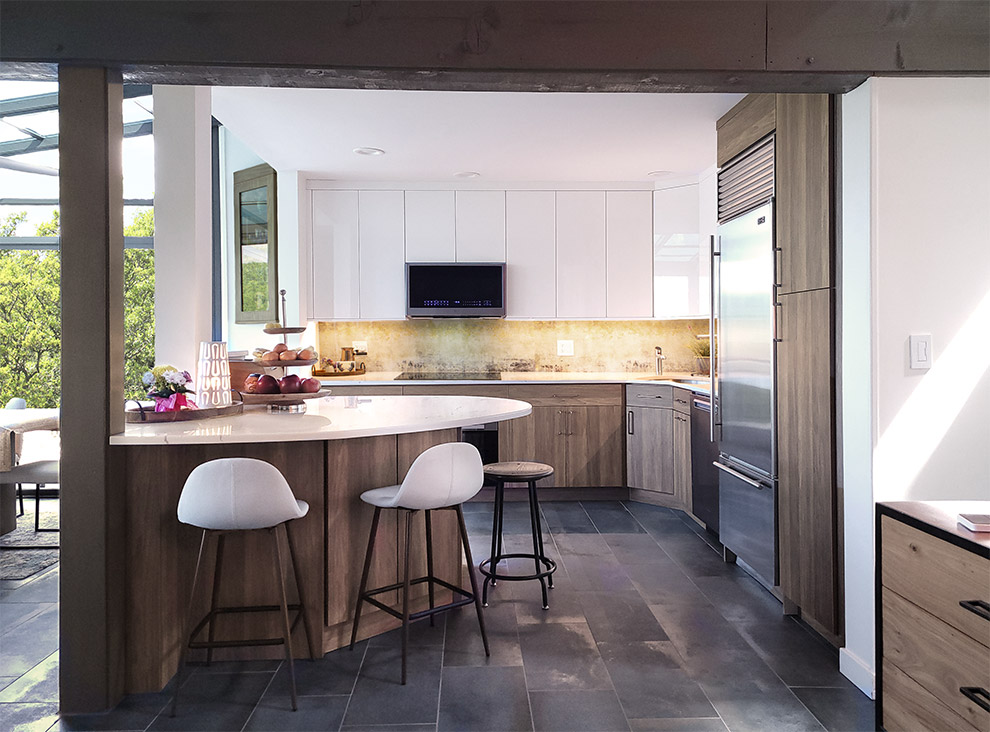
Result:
x=331 y=541
x=161 y=555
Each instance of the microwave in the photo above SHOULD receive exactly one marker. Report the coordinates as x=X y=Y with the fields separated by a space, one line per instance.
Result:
x=455 y=290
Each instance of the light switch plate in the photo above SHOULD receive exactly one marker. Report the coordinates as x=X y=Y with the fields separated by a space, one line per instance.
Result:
x=921 y=351
x=565 y=348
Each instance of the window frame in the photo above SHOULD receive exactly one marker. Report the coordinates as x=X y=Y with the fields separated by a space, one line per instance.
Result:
x=259 y=176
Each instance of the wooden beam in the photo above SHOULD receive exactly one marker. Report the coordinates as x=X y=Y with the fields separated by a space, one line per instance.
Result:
x=91 y=641
x=532 y=45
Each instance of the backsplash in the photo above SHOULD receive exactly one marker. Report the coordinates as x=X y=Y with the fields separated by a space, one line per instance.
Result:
x=465 y=345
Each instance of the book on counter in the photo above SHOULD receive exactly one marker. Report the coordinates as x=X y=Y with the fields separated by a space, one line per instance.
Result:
x=975 y=521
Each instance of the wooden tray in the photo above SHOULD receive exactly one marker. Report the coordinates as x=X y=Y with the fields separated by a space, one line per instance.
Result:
x=285 y=331
x=147 y=414
x=252 y=399
x=330 y=374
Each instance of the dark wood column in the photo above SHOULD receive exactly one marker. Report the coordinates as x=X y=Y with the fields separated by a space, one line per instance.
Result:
x=91 y=640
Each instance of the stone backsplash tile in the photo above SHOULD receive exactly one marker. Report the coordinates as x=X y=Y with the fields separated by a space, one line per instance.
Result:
x=468 y=345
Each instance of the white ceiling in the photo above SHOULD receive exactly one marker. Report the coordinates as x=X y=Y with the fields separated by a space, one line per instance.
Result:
x=505 y=136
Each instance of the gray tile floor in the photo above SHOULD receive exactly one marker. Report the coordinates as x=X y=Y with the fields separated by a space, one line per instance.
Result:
x=647 y=630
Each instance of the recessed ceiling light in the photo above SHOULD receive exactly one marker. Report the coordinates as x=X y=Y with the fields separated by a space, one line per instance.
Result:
x=660 y=173
x=368 y=151
x=467 y=174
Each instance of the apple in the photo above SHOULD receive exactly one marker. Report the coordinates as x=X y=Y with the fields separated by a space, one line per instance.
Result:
x=266 y=385
x=290 y=384
x=310 y=386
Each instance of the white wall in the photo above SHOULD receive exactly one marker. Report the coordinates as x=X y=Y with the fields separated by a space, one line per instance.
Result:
x=183 y=223
x=929 y=272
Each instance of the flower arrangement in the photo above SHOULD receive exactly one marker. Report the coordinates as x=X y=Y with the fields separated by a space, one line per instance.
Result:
x=167 y=386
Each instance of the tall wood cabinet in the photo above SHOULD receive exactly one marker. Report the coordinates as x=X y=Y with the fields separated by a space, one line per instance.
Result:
x=808 y=508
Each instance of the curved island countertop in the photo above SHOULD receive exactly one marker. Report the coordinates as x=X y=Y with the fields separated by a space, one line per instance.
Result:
x=330 y=418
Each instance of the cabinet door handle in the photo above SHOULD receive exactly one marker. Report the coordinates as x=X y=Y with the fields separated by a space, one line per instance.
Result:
x=979 y=607
x=558 y=431
x=681 y=401
x=978 y=695
x=630 y=422
x=569 y=423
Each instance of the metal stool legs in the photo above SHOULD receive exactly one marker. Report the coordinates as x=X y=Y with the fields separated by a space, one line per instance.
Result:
x=406 y=615
x=544 y=567
x=210 y=620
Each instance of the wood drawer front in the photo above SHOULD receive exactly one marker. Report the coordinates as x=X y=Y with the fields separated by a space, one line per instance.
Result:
x=654 y=395
x=937 y=656
x=481 y=390
x=909 y=707
x=578 y=395
x=936 y=576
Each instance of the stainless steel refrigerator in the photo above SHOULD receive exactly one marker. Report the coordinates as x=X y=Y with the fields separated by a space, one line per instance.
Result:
x=744 y=388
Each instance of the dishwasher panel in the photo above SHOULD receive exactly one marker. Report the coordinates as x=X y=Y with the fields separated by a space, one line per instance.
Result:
x=704 y=475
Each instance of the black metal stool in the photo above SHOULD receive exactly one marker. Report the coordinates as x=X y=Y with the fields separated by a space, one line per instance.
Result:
x=529 y=473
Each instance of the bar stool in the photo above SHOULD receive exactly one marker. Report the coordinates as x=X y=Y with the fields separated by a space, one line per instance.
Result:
x=441 y=478
x=231 y=495
x=517 y=471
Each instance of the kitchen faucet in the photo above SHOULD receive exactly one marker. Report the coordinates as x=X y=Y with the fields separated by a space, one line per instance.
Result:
x=660 y=359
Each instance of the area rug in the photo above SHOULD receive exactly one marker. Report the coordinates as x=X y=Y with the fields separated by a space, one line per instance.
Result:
x=25 y=552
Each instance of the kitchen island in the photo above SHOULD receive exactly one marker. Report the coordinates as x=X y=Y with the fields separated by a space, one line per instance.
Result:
x=340 y=447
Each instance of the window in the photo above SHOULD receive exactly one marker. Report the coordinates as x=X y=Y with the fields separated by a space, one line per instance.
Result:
x=256 y=244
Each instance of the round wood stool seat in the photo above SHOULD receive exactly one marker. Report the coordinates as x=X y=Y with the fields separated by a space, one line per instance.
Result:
x=544 y=567
x=518 y=470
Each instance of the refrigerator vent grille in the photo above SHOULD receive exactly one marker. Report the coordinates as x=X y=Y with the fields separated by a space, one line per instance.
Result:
x=747 y=181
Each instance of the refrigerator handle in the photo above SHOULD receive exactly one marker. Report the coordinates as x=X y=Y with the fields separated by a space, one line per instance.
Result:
x=736 y=474
x=713 y=339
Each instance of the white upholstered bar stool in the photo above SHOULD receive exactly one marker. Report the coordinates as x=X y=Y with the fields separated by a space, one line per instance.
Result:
x=234 y=495
x=441 y=478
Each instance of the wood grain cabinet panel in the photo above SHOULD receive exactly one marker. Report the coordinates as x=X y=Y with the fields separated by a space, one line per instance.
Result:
x=937 y=656
x=936 y=576
x=594 y=446
x=803 y=191
x=680 y=439
x=805 y=458
x=648 y=449
x=746 y=123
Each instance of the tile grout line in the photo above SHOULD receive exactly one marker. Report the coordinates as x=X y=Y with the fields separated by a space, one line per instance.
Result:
x=262 y=696
x=364 y=655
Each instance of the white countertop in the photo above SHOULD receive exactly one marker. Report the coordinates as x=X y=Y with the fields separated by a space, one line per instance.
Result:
x=330 y=418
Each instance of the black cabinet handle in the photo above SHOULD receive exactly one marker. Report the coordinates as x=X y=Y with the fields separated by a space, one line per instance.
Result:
x=978 y=607
x=978 y=695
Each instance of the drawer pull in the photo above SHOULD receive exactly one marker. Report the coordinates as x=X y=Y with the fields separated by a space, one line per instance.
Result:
x=979 y=607
x=681 y=401
x=978 y=695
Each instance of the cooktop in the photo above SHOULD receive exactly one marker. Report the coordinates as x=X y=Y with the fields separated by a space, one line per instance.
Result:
x=450 y=376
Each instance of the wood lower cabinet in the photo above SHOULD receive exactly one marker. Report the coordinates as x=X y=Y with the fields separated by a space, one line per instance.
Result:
x=933 y=634
x=806 y=505
x=658 y=444
x=576 y=428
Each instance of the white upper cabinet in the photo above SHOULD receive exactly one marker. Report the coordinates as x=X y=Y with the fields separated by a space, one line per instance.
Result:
x=629 y=258
x=677 y=254
x=530 y=269
x=479 y=218
x=580 y=238
x=708 y=227
x=334 y=285
x=430 y=226
x=382 y=271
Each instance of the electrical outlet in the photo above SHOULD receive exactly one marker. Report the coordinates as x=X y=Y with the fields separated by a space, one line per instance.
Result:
x=565 y=348
x=360 y=348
